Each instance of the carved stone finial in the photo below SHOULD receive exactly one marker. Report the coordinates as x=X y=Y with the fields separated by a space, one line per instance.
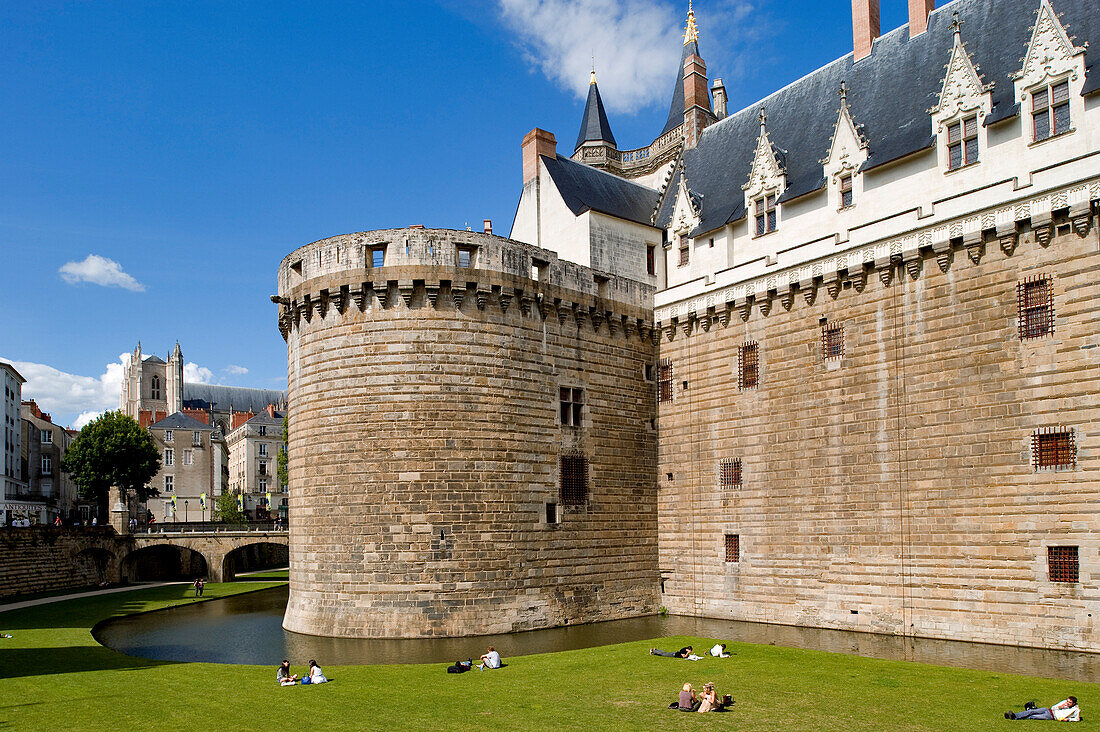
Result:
x=955 y=26
x=691 y=32
x=843 y=91
x=763 y=120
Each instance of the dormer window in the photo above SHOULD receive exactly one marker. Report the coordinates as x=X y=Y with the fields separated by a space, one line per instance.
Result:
x=1050 y=110
x=685 y=252
x=962 y=142
x=846 y=199
x=765 y=214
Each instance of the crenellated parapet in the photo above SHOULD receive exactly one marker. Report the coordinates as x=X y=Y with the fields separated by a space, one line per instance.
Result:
x=466 y=271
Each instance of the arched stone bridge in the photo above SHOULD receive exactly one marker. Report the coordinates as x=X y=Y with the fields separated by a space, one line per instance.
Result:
x=224 y=551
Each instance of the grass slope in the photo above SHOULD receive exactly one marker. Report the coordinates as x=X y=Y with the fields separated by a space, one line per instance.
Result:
x=54 y=676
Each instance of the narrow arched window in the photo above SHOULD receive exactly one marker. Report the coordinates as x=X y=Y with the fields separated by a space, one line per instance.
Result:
x=154 y=388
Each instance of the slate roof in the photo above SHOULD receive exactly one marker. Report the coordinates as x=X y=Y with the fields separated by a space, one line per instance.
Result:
x=222 y=398
x=594 y=124
x=180 y=421
x=584 y=188
x=676 y=107
x=889 y=92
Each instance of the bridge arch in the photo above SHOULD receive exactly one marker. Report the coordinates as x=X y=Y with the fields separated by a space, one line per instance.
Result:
x=163 y=561
x=255 y=555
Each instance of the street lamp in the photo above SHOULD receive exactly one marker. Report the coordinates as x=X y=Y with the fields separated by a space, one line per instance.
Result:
x=185 y=510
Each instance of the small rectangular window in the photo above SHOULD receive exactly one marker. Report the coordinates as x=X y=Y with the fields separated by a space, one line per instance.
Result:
x=648 y=371
x=263 y=486
x=664 y=381
x=196 y=439
x=551 y=513
x=962 y=143
x=169 y=483
x=263 y=449
x=376 y=256
x=47 y=437
x=263 y=430
x=1035 y=307
x=188 y=457
x=169 y=457
x=832 y=341
x=47 y=465
x=733 y=547
x=1054 y=448
x=650 y=259
x=466 y=256
x=1062 y=564
x=748 y=366
x=729 y=473
x=765 y=214
x=685 y=252
x=572 y=405
x=845 y=191
x=573 y=490
x=168 y=435
x=540 y=270
x=263 y=467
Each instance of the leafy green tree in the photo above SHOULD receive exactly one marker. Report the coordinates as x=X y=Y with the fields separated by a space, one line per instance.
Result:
x=226 y=511
x=281 y=457
x=113 y=450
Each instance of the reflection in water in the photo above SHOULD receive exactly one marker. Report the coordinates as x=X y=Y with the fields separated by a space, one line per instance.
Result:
x=248 y=629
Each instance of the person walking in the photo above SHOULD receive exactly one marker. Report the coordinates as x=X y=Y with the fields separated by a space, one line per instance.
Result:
x=199 y=585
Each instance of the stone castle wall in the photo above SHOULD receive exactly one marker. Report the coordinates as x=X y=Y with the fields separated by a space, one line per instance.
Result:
x=425 y=438
x=892 y=490
x=46 y=558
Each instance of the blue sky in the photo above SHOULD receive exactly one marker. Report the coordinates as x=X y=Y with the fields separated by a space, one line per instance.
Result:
x=158 y=159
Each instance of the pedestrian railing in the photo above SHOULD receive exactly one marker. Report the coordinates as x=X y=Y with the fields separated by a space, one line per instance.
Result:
x=210 y=527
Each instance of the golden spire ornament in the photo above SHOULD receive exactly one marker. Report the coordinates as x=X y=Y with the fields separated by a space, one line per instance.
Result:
x=691 y=33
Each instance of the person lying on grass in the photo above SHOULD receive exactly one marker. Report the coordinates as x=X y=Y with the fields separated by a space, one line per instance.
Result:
x=1064 y=711
x=682 y=653
x=719 y=651
x=283 y=675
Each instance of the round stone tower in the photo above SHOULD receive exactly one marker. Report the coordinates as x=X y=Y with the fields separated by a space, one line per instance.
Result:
x=472 y=447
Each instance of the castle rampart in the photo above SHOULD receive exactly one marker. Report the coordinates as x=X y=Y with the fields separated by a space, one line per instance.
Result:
x=440 y=382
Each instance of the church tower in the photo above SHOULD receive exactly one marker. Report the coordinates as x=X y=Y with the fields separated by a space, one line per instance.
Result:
x=173 y=378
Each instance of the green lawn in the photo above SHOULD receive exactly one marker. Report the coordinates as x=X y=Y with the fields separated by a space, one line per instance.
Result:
x=54 y=676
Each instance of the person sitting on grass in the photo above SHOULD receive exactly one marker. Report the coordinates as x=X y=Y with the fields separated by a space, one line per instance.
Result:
x=1064 y=711
x=682 y=653
x=709 y=701
x=491 y=659
x=689 y=702
x=316 y=676
x=719 y=651
x=283 y=675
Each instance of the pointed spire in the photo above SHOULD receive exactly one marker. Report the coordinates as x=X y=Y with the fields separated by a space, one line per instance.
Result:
x=691 y=33
x=594 y=124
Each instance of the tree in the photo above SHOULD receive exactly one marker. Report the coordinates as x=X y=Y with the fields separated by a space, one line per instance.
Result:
x=281 y=457
x=113 y=450
x=225 y=509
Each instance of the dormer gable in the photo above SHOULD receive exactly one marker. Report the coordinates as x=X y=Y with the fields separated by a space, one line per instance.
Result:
x=767 y=173
x=847 y=152
x=962 y=91
x=685 y=213
x=1051 y=53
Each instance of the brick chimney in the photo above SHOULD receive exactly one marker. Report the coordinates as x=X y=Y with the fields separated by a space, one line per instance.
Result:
x=697 y=113
x=718 y=92
x=865 y=27
x=918 y=15
x=488 y=226
x=535 y=143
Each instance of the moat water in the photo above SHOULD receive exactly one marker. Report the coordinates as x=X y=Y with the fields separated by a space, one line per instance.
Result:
x=247 y=629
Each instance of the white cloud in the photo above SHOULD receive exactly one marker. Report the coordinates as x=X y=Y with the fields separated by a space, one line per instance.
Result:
x=64 y=394
x=86 y=417
x=236 y=370
x=636 y=43
x=195 y=374
x=99 y=271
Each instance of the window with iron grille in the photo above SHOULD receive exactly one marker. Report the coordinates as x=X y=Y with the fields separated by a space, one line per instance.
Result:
x=733 y=547
x=729 y=473
x=962 y=143
x=1050 y=110
x=685 y=252
x=1053 y=447
x=664 y=381
x=574 y=480
x=846 y=191
x=748 y=366
x=832 y=341
x=1062 y=563
x=765 y=214
x=572 y=405
x=1035 y=306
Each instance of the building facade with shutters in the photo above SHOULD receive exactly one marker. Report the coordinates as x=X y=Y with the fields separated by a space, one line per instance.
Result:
x=872 y=303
